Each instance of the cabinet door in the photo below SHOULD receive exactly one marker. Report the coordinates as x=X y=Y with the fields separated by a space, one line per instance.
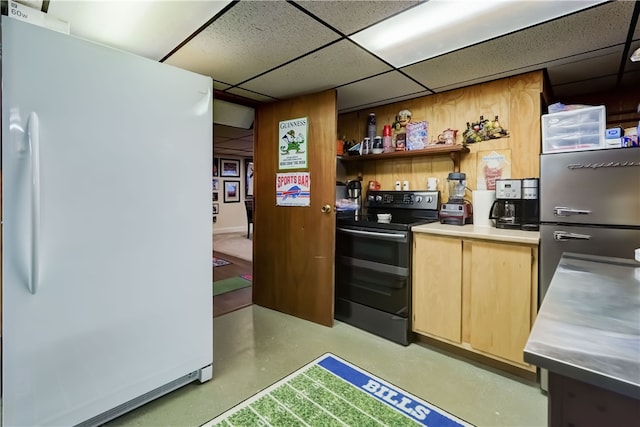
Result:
x=500 y=301
x=437 y=286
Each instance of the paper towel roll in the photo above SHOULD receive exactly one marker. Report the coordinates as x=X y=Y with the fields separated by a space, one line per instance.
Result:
x=482 y=201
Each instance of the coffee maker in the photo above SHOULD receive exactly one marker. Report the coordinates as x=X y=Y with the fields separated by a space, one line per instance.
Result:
x=506 y=210
x=530 y=204
x=457 y=210
x=516 y=205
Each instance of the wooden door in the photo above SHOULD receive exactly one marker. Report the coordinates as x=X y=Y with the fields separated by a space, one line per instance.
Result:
x=500 y=318
x=437 y=286
x=294 y=247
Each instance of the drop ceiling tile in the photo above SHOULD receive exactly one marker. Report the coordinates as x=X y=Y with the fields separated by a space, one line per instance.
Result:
x=251 y=38
x=150 y=29
x=251 y=95
x=352 y=16
x=382 y=89
x=229 y=132
x=219 y=85
x=583 y=67
x=229 y=140
x=332 y=66
x=584 y=87
x=383 y=101
x=233 y=150
x=529 y=49
x=234 y=144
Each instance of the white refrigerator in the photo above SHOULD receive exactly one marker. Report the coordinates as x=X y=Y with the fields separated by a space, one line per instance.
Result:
x=106 y=229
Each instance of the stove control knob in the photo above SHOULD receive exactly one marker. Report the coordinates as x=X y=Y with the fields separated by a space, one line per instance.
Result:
x=378 y=198
x=418 y=199
x=370 y=197
x=429 y=199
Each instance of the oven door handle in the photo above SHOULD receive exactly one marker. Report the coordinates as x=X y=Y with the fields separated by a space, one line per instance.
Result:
x=402 y=272
x=399 y=236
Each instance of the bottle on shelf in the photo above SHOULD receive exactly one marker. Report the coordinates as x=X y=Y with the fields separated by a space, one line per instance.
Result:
x=371 y=126
x=387 y=142
x=340 y=145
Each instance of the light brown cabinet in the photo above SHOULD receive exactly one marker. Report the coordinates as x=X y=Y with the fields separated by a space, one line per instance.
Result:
x=475 y=294
x=437 y=287
x=500 y=301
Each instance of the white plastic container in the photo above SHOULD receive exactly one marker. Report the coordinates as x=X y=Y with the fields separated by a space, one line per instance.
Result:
x=576 y=130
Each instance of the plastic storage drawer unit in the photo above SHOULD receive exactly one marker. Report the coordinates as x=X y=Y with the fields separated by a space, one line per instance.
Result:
x=576 y=130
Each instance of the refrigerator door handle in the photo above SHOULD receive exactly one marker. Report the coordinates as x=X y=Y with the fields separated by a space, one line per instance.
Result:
x=564 y=211
x=565 y=235
x=33 y=135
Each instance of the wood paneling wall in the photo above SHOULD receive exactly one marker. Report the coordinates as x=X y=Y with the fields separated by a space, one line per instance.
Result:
x=622 y=105
x=517 y=102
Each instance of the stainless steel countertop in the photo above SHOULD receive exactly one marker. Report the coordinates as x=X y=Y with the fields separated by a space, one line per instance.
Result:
x=588 y=327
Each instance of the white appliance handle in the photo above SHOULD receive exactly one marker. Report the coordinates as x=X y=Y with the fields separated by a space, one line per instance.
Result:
x=33 y=134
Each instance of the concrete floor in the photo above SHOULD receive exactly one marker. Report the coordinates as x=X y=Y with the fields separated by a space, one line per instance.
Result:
x=254 y=347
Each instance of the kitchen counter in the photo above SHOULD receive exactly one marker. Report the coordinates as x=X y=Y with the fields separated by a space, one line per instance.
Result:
x=588 y=327
x=477 y=232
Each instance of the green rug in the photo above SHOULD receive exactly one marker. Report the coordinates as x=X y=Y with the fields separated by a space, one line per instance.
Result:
x=330 y=391
x=228 y=285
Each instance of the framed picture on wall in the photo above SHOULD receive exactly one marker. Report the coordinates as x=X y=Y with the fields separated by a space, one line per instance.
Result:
x=214 y=184
x=216 y=165
x=216 y=206
x=231 y=191
x=248 y=176
x=215 y=197
x=229 y=167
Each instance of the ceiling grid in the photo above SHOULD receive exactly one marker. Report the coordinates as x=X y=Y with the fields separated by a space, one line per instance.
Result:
x=260 y=51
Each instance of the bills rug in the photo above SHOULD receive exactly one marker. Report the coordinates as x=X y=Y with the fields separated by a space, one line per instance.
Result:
x=332 y=392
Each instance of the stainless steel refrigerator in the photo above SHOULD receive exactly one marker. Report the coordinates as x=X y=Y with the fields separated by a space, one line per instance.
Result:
x=106 y=229
x=590 y=204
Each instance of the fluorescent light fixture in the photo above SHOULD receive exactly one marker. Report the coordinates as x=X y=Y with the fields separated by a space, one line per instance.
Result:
x=635 y=57
x=34 y=4
x=144 y=27
x=441 y=26
x=229 y=114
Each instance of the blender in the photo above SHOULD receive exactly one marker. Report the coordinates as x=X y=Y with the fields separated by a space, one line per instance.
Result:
x=457 y=210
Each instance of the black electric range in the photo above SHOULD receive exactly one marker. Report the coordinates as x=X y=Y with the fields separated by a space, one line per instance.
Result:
x=407 y=209
x=373 y=261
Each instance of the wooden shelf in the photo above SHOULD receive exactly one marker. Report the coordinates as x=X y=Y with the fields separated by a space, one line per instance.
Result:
x=454 y=152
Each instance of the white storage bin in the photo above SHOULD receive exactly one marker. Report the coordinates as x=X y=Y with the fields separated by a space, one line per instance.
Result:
x=576 y=130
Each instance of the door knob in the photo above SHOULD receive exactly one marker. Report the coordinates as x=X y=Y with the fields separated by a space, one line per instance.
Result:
x=325 y=209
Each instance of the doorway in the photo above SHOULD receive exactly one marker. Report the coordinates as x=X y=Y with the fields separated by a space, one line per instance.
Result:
x=235 y=249
x=232 y=232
